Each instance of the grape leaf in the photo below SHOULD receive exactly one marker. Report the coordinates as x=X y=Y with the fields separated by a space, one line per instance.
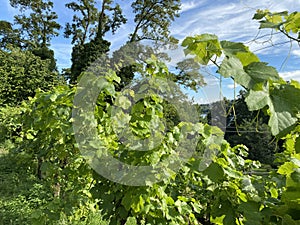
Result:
x=260 y=72
x=232 y=67
x=232 y=48
x=284 y=107
x=283 y=102
x=257 y=99
x=214 y=172
x=254 y=74
x=204 y=46
x=240 y=51
x=131 y=221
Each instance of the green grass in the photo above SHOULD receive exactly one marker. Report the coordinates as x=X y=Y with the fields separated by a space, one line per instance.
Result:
x=16 y=188
x=23 y=195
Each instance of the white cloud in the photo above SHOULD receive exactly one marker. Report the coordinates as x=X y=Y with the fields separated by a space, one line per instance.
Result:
x=296 y=52
x=186 y=6
x=233 y=21
x=226 y=20
x=291 y=75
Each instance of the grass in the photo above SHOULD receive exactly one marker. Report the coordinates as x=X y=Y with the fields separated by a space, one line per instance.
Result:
x=16 y=184
x=22 y=194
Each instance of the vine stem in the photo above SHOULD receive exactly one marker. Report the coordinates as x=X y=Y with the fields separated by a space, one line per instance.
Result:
x=289 y=36
x=215 y=62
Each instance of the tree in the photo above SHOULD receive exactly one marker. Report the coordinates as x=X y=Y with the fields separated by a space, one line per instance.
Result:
x=251 y=129
x=152 y=22
x=84 y=26
x=91 y=25
x=21 y=74
x=130 y=58
x=84 y=55
x=153 y=19
x=9 y=35
x=38 y=25
x=46 y=53
x=188 y=74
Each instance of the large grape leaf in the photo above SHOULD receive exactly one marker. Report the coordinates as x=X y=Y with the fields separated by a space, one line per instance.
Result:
x=248 y=76
x=284 y=108
x=240 y=51
x=232 y=67
x=284 y=105
x=261 y=72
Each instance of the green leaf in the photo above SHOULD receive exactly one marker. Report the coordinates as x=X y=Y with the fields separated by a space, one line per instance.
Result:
x=249 y=76
x=232 y=48
x=126 y=201
x=257 y=99
x=292 y=22
x=232 y=66
x=206 y=38
x=251 y=213
x=260 y=72
x=214 y=172
x=233 y=173
x=283 y=102
x=247 y=57
x=187 y=41
x=204 y=46
x=292 y=193
x=29 y=136
x=53 y=97
x=296 y=177
x=224 y=208
x=131 y=221
x=284 y=107
x=267 y=24
x=287 y=220
x=240 y=51
x=137 y=203
x=259 y=15
x=123 y=102
x=274 y=192
x=287 y=168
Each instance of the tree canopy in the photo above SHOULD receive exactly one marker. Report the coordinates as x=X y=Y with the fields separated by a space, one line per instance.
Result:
x=37 y=23
x=90 y=25
x=22 y=73
x=95 y=153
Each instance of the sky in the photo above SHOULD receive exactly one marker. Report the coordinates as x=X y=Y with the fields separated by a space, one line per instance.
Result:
x=229 y=20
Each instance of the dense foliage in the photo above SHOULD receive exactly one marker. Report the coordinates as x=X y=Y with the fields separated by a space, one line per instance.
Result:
x=266 y=90
x=21 y=74
x=152 y=20
x=46 y=176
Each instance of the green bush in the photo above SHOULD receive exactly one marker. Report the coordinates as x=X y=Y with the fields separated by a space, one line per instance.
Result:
x=22 y=73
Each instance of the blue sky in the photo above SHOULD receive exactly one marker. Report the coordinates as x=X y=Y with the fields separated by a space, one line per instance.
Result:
x=229 y=20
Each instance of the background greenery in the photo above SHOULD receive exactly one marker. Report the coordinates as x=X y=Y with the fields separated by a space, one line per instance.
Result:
x=246 y=178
